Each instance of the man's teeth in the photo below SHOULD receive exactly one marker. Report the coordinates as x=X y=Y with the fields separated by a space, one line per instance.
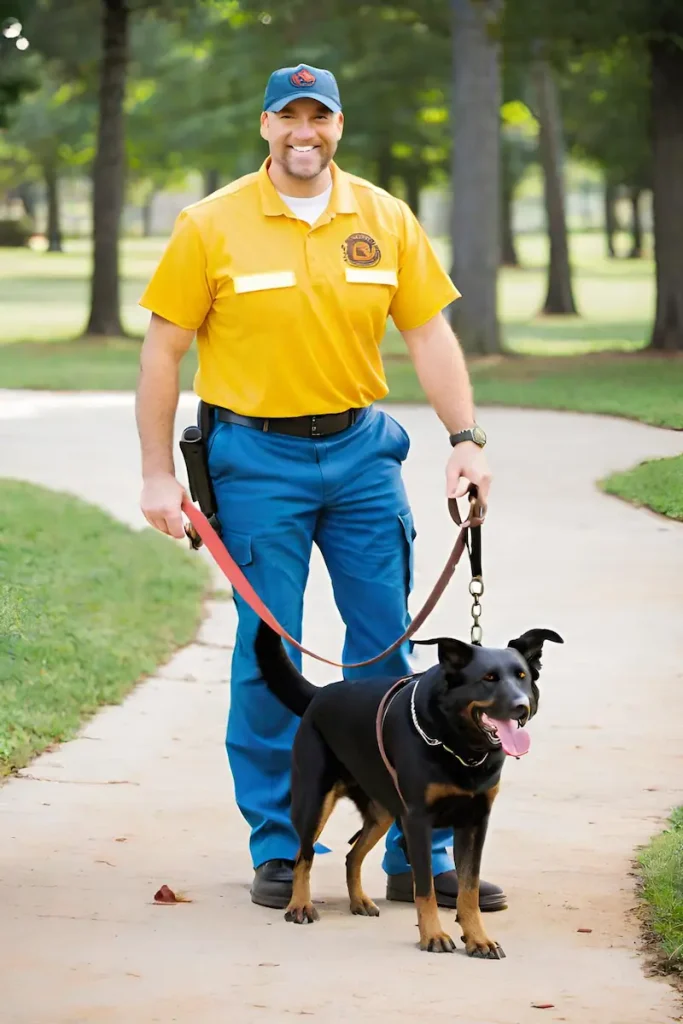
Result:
x=303 y=149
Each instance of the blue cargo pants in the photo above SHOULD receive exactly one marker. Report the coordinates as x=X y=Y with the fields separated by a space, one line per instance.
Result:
x=277 y=496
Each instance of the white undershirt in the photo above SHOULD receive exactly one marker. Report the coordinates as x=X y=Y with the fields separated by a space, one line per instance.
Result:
x=308 y=208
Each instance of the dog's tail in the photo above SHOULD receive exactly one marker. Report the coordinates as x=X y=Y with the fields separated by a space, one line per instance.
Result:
x=281 y=676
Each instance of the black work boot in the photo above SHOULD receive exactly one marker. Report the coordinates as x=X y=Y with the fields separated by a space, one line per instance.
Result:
x=272 y=885
x=400 y=889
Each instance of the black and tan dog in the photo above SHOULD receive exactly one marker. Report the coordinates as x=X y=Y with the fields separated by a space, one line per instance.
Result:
x=446 y=734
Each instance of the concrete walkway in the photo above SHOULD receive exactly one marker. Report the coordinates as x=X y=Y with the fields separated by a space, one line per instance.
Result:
x=143 y=797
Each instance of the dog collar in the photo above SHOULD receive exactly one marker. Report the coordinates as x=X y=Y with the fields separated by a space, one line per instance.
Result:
x=437 y=743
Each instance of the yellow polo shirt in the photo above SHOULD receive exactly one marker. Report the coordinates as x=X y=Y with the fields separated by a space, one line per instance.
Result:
x=289 y=317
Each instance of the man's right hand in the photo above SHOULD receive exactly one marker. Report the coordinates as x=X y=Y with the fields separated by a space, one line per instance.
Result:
x=160 y=503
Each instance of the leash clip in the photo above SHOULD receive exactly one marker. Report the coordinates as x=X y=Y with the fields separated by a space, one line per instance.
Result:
x=476 y=590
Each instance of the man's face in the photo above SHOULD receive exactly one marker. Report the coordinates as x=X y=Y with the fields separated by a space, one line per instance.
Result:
x=303 y=137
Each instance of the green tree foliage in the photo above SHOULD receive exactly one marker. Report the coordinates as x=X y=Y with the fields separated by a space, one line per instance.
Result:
x=581 y=28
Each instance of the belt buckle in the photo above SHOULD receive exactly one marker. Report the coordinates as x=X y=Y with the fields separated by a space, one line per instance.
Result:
x=315 y=431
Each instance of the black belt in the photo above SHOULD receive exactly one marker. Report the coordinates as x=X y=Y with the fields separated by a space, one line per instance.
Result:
x=296 y=426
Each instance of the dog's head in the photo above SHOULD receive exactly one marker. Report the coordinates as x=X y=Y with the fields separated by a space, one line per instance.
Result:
x=491 y=693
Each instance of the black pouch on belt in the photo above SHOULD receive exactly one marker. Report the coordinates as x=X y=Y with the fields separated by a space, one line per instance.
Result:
x=193 y=446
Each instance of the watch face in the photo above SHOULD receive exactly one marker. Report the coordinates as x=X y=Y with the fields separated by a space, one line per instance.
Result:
x=478 y=435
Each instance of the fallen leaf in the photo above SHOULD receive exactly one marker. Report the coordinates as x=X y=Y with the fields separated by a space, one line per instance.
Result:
x=166 y=895
x=121 y=839
x=585 y=931
x=543 y=1006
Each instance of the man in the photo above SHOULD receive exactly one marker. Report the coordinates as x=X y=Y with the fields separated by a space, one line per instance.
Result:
x=287 y=276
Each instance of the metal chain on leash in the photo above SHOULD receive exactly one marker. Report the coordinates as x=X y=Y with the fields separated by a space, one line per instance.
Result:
x=476 y=590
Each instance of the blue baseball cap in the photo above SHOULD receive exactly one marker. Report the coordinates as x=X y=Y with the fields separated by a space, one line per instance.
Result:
x=303 y=81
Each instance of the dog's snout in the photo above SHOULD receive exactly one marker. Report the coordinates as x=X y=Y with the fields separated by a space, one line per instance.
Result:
x=521 y=709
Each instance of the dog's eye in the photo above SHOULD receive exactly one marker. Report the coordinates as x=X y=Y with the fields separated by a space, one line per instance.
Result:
x=521 y=675
x=491 y=677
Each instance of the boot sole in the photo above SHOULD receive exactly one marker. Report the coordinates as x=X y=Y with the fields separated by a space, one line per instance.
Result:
x=487 y=904
x=273 y=900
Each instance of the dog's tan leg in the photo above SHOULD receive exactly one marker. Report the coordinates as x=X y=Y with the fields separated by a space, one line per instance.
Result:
x=468 y=846
x=371 y=833
x=433 y=939
x=418 y=832
x=301 y=909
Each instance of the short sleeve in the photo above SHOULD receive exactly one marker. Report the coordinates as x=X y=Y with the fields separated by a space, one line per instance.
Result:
x=179 y=289
x=424 y=287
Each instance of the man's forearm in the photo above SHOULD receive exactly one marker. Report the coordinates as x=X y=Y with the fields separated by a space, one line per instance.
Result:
x=442 y=371
x=157 y=395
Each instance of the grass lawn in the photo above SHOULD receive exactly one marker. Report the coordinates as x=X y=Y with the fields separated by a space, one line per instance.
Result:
x=657 y=484
x=590 y=363
x=44 y=296
x=87 y=607
x=662 y=888
x=646 y=388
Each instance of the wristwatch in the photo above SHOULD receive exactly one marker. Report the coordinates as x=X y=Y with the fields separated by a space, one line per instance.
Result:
x=475 y=433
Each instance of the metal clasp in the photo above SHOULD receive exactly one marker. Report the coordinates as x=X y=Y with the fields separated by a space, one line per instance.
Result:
x=476 y=590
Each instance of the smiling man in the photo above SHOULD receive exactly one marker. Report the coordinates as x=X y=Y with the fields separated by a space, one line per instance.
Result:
x=287 y=277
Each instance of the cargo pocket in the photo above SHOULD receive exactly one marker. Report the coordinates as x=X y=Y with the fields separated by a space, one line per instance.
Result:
x=239 y=546
x=409 y=532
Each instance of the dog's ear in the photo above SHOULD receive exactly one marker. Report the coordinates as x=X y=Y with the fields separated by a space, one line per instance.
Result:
x=454 y=655
x=530 y=646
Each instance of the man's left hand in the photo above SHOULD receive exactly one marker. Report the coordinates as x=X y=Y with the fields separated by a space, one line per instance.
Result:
x=467 y=465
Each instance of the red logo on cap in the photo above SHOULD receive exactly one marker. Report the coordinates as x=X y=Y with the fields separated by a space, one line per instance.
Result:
x=301 y=78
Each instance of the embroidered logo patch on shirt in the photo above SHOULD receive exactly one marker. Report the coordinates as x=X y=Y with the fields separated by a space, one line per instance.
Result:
x=361 y=251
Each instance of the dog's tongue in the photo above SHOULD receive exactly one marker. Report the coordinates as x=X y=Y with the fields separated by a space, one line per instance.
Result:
x=514 y=741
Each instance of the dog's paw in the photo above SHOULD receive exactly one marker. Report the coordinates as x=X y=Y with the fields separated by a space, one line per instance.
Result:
x=439 y=943
x=302 y=915
x=483 y=948
x=365 y=908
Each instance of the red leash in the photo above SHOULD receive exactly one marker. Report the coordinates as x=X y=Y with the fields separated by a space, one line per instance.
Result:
x=241 y=584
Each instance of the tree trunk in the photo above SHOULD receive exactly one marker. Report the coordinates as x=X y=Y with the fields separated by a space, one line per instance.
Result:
x=667 y=192
x=509 y=256
x=475 y=179
x=54 y=232
x=559 y=298
x=636 y=224
x=26 y=194
x=411 y=180
x=611 y=225
x=146 y=213
x=385 y=165
x=109 y=171
x=211 y=181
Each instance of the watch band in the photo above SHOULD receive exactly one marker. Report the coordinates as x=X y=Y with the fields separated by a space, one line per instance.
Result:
x=475 y=434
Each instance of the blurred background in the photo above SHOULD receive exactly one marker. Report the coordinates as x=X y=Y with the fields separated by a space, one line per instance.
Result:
x=541 y=145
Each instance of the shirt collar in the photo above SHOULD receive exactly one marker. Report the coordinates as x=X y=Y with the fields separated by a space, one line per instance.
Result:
x=342 y=199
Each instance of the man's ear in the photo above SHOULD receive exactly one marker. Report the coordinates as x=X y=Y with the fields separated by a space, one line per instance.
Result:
x=530 y=646
x=454 y=655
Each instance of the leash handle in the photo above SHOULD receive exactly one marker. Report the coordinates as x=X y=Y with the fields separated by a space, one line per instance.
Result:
x=476 y=587
x=203 y=528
